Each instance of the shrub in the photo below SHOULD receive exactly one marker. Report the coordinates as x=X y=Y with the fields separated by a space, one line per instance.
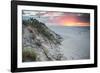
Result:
x=28 y=54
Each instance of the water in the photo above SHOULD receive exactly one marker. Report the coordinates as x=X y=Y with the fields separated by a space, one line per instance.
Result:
x=76 y=41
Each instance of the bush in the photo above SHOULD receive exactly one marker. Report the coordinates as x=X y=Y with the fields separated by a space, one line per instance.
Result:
x=28 y=54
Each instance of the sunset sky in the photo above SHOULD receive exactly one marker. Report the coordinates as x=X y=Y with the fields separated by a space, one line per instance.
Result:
x=60 y=18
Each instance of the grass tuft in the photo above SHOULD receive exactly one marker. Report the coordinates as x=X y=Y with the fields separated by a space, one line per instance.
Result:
x=28 y=54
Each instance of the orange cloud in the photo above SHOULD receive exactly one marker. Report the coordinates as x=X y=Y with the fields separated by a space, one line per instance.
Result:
x=70 y=21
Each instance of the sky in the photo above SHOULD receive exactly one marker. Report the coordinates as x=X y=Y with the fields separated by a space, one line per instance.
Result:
x=60 y=18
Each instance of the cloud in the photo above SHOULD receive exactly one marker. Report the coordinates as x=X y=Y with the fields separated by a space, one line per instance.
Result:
x=63 y=18
x=49 y=14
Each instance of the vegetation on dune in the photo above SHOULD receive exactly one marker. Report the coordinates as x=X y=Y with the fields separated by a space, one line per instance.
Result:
x=43 y=30
x=40 y=34
x=28 y=54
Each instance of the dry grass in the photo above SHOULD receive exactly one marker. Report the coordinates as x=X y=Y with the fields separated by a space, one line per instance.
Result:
x=28 y=54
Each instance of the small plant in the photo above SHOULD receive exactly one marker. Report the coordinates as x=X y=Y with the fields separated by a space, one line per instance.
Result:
x=28 y=54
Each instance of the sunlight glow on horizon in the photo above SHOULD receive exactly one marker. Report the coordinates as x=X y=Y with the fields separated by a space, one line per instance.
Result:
x=76 y=24
x=71 y=21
